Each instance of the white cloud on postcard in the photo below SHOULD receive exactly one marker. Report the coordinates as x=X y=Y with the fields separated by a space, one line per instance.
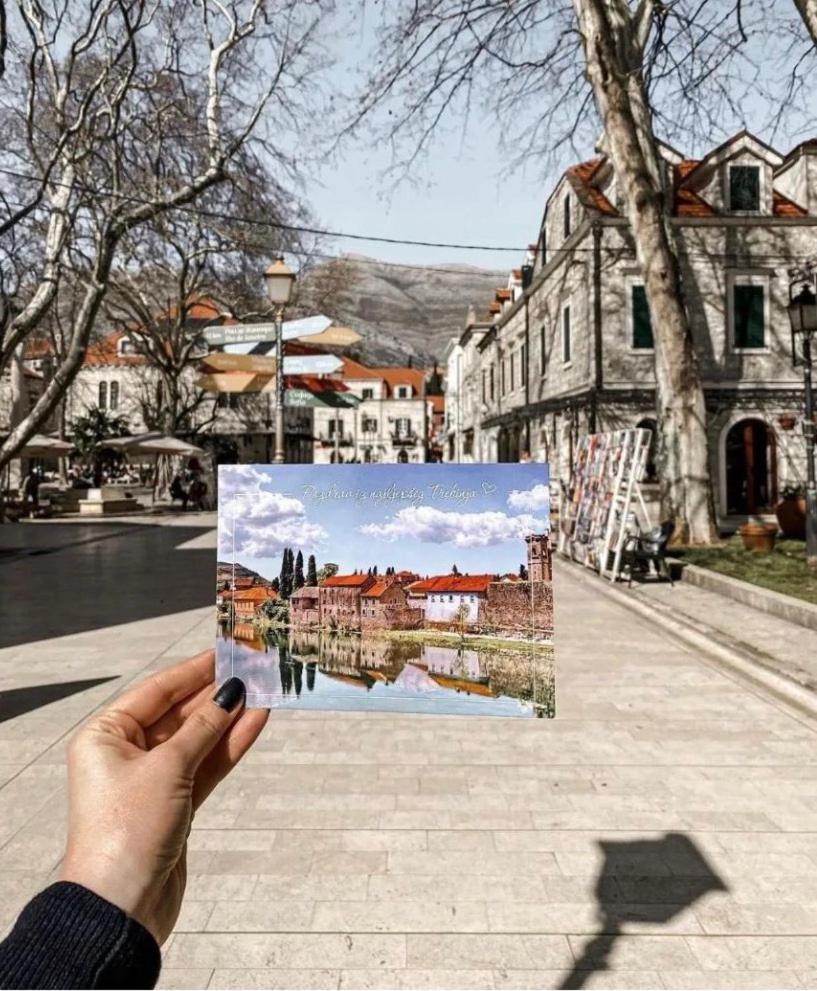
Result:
x=436 y=526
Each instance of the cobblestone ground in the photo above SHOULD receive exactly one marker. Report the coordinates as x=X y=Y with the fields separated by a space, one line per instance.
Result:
x=658 y=832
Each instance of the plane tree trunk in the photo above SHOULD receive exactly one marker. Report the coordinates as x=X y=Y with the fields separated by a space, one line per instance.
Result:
x=613 y=39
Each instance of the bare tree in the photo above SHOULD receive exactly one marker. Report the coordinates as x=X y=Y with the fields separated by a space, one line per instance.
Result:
x=565 y=69
x=808 y=11
x=118 y=113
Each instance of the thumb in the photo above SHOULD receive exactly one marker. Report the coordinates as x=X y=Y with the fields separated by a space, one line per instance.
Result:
x=208 y=723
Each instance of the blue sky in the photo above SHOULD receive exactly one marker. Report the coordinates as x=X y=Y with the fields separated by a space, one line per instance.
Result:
x=423 y=518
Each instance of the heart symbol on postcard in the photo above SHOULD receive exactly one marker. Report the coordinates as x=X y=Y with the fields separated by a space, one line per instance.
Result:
x=488 y=488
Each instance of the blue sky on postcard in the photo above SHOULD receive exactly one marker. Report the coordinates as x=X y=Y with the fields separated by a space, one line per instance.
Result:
x=423 y=518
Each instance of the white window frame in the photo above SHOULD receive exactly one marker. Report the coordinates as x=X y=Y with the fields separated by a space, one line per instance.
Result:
x=566 y=308
x=749 y=277
x=631 y=283
x=761 y=189
x=403 y=392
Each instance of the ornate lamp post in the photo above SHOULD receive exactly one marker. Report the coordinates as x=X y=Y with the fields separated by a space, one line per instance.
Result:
x=279 y=279
x=803 y=317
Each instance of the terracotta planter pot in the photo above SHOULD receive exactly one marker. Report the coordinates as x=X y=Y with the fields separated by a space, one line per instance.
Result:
x=758 y=537
x=791 y=515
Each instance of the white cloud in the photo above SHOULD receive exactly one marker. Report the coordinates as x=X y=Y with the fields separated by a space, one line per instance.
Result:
x=258 y=521
x=435 y=526
x=530 y=500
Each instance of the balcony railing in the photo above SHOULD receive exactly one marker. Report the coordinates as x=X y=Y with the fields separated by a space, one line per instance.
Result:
x=327 y=440
x=403 y=439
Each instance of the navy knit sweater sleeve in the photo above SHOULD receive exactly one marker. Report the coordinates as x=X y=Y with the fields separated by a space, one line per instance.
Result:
x=68 y=937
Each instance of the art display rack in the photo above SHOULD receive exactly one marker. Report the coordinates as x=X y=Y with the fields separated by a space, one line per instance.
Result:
x=605 y=488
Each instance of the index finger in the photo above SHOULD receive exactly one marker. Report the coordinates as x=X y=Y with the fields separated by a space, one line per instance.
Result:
x=151 y=699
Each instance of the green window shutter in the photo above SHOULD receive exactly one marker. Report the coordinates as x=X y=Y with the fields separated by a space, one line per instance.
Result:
x=748 y=306
x=642 y=325
x=744 y=187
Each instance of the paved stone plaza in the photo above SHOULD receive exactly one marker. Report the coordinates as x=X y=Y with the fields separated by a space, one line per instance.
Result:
x=659 y=832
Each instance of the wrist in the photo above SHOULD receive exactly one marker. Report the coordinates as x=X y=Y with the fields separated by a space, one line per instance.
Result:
x=113 y=877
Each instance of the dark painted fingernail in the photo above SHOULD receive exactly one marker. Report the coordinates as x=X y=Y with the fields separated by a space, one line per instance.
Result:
x=231 y=694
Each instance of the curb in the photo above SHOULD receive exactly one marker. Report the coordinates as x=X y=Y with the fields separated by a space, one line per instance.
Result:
x=763 y=599
x=709 y=641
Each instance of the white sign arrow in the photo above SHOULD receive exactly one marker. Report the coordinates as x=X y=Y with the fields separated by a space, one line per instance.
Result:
x=252 y=333
x=311 y=364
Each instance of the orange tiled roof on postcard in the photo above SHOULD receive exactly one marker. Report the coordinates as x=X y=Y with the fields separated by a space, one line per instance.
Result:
x=453 y=583
x=345 y=581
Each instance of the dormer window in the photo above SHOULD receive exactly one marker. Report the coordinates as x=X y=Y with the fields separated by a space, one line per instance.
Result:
x=403 y=392
x=126 y=346
x=744 y=188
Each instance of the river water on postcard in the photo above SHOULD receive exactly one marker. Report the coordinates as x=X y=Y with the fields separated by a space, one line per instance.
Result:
x=320 y=670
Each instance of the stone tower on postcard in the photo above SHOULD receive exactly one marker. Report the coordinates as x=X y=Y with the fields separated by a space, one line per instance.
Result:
x=540 y=562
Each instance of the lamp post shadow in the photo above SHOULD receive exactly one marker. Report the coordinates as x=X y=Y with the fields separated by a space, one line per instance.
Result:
x=642 y=881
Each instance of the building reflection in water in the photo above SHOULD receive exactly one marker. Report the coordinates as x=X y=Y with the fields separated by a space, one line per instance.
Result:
x=338 y=667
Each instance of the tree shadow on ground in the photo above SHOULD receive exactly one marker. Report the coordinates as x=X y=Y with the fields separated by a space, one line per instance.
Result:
x=65 y=578
x=642 y=881
x=18 y=701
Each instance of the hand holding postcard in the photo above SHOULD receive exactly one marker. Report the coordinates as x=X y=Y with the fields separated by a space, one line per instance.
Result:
x=397 y=588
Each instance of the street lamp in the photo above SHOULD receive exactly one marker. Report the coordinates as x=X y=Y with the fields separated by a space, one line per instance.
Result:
x=279 y=279
x=803 y=317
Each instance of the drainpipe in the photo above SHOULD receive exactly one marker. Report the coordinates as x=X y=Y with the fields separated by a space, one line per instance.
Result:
x=598 y=382
x=527 y=374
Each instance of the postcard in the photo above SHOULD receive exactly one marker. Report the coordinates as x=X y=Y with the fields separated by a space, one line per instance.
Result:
x=392 y=588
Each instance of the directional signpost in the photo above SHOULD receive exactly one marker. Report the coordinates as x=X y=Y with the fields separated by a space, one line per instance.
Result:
x=257 y=363
x=246 y=333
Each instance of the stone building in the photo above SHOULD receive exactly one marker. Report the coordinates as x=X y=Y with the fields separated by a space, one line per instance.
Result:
x=568 y=349
x=384 y=606
x=393 y=422
x=304 y=606
x=339 y=600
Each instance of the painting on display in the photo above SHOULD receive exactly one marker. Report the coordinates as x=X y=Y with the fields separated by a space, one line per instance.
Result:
x=395 y=588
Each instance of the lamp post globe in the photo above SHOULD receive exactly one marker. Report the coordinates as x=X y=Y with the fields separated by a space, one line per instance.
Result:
x=280 y=280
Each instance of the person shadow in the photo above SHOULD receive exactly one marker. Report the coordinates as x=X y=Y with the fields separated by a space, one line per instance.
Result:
x=642 y=881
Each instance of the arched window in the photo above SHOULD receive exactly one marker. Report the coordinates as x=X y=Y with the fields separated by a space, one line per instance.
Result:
x=114 y=395
x=103 y=395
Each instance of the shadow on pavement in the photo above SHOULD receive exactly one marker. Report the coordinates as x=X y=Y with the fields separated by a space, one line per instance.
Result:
x=63 y=578
x=18 y=701
x=631 y=889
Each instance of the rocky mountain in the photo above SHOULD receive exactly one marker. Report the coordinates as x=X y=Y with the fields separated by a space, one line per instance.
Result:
x=224 y=573
x=403 y=311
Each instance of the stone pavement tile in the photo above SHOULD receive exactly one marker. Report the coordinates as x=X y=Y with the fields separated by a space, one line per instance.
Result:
x=220 y=887
x=483 y=951
x=435 y=819
x=311 y=887
x=297 y=951
x=456 y=862
x=535 y=979
x=739 y=980
x=761 y=888
x=273 y=980
x=298 y=818
x=179 y=979
x=385 y=839
x=632 y=952
x=461 y=839
x=8 y=771
x=724 y=916
x=352 y=862
x=331 y=803
x=411 y=978
x=251 y=840
x=263 y=916
x=400 y=915
x=238 y=861
x=456 y=887
x=583 y=918
x=193 y=916
x=752 y=952
x=17 y=888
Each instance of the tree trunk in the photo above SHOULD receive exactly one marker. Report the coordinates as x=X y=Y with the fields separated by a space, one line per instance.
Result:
x=808 y=11
x=607 y=31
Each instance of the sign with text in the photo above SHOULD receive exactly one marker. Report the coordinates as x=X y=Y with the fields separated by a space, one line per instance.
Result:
x=244 y=333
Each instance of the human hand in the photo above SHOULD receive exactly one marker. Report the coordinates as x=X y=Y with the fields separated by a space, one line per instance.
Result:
x=137 y=772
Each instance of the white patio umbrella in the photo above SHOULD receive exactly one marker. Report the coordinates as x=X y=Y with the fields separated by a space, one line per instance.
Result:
x=43 y=446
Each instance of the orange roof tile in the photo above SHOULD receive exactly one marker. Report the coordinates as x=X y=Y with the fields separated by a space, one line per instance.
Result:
x=377 y=589
x=414 y=377
x=258 y=593
x=437 y=403
x=37 y=347
x=106 y=352
x=784 y=207
x=687 y=202
x=453 y=583
x=582 y=176
x=346 y=581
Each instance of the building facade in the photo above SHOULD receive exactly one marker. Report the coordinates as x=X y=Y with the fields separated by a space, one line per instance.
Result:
x=392 y=422
x=570 y=346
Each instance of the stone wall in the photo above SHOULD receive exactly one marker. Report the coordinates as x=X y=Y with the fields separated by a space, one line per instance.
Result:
x=509 y=606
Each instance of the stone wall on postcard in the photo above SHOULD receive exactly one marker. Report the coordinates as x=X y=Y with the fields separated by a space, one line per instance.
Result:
x=513 y=606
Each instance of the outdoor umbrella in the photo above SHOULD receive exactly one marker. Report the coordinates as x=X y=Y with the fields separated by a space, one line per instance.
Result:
x=42 y=446
x=164 y=445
